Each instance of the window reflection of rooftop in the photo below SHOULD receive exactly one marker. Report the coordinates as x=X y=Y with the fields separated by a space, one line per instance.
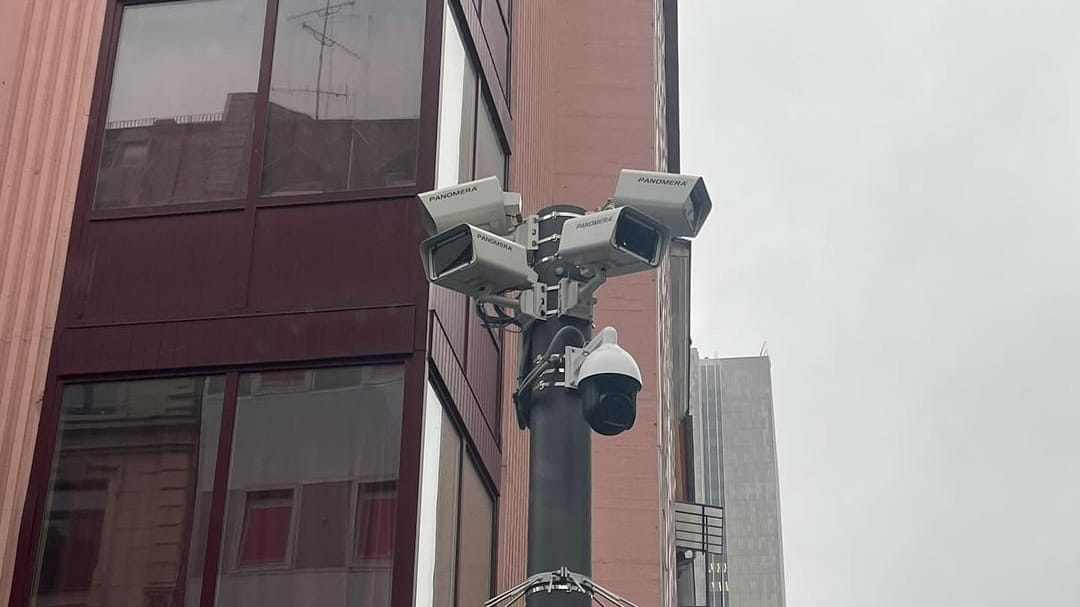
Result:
x=204 y=157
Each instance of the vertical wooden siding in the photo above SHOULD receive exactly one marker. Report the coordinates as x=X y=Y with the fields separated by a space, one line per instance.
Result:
x=43 y=119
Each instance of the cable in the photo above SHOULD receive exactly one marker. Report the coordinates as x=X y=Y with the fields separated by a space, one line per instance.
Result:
x=500 y=320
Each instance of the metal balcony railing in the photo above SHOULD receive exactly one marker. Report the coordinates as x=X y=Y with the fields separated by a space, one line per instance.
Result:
x=699 y=527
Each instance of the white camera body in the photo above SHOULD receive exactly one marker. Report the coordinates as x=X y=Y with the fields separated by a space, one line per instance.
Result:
x=680 y=202
x=476 y=262
x=481 y=203
x=608 y=379
x=617 y=241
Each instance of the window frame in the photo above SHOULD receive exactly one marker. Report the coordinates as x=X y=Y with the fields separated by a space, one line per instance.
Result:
x=254 y=198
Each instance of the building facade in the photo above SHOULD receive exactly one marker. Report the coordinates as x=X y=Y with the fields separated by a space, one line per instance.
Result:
x=220 y=354
x=735 y=467
x=595 y=91
x=223 y=377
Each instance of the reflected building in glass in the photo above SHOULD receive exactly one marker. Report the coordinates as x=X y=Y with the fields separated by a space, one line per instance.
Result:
x=735 y=466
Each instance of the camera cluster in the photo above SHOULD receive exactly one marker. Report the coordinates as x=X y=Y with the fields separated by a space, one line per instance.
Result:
x=482 y=246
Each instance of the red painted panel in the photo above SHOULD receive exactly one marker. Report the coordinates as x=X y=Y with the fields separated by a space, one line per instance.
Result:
x=236 y=341
x=157 y=268
x=483 y=370
x=333 y=255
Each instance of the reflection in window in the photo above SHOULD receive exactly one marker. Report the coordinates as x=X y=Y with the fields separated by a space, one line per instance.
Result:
x=128 y=492
x=376 y=514
x=476 y=537
x=490 y=157
x=179 y=120
x=464 y=521
x=344 y=96
x=332 y=437
x=267 y=520
x=446 y=525
x=73 y=536
x=457 y=107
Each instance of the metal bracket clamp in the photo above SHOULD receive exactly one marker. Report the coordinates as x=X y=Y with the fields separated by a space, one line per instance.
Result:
x=576 y=298
x=533 y=302
x=527 y=233
x=561 y=580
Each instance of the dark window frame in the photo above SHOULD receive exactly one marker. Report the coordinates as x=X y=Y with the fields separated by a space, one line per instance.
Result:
x=254 y=197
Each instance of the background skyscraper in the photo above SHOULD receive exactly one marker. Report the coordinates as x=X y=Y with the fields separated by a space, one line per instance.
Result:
x=735 y=466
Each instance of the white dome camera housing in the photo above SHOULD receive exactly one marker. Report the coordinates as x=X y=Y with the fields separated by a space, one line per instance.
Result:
x=609 y=381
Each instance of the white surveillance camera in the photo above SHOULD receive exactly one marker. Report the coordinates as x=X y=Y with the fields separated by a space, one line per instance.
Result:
x=476 y=262
x=608 y=379
x=617 y=241
x=481 y=203
x=680 y=202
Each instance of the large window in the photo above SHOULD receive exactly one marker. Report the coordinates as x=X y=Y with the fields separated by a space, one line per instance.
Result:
x=312 y=491
x=129 y=492
x=188 y=108
x=309 y=500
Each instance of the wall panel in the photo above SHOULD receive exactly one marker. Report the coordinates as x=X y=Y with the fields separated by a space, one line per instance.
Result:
x=49 y=51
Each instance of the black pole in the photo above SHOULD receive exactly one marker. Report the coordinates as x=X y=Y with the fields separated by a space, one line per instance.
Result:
x=560 y=448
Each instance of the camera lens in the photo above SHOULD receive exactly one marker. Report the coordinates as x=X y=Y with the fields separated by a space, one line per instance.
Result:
x=610 y=403
x=614 y=414
x=451 y=253
x=637 y=238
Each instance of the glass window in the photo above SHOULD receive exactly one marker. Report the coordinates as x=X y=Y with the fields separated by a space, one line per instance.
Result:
x=464 y=521
x=179 y=121
x=342 y=110
x=128 y=493
x=490 y=157
x=476 y=537
x=344 y=96
x=457 y=107
x=446 y=526
x=334 y=443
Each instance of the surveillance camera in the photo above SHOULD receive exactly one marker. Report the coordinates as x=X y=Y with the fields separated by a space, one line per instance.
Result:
x=475 y=262
x=680 y=202
x=609 y=381
x=481 y=203
x=618 y=241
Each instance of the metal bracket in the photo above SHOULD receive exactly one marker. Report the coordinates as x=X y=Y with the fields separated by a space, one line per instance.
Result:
x=532 y=302
x=576 y=298
x=574 y=357
x=527 y=233
x=561 y=580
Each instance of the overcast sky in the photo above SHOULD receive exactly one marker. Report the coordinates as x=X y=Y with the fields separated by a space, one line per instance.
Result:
x=897 y=193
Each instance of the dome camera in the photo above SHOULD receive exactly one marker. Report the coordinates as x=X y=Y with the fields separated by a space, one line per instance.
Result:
x=608 y=380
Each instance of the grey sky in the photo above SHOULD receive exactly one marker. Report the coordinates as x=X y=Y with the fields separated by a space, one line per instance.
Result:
x=897 y=194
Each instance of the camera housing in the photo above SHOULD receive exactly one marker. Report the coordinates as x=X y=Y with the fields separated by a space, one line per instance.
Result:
x=617 y=241
x=476 y=262
x=608 y=380
x=679 y=202
x=481 y=203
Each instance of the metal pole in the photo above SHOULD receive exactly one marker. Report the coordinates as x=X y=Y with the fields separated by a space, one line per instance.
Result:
x=560 y=449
